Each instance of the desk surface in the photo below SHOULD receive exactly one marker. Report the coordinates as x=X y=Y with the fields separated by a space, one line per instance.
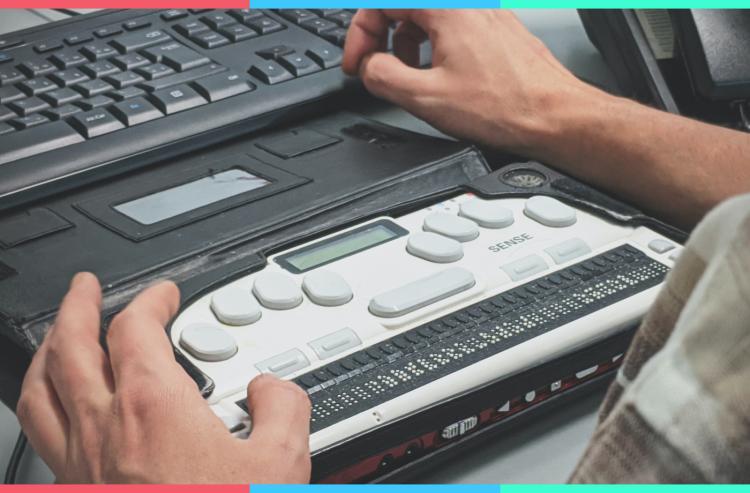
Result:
x=544 y=451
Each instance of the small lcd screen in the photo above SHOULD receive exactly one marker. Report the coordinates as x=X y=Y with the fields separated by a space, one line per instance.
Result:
x=190 y=196
x=341 y=246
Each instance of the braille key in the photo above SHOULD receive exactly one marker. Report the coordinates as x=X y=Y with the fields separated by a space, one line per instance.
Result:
x=29 y=121
x=93 y=87
x=10 y=93
x=10 y=75
x=130 y=61
x=60 y=97
x=124 y=79
x=36 y=68
x=154 y=71
x=95 y=102
x=270 y=72
x=66 y=60
x=99 y=69
x=265 y=25
x=37 y=86
x=63 y=111
x=68 y=77
x=97 y=51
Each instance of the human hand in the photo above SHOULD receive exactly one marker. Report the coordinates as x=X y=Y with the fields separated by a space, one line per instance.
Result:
x=134 y=415
x=491 y=80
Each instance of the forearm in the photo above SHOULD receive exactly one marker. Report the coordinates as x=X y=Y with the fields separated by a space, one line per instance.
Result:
x=673 y=167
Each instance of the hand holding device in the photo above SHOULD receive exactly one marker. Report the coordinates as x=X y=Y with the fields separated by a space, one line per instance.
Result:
x=134 y=415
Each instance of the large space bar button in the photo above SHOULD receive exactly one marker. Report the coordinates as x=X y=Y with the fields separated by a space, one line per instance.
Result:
x=421 y=293
x=37 y=140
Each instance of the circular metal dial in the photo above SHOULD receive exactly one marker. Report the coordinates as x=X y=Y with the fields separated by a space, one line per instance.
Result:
x=524 y=178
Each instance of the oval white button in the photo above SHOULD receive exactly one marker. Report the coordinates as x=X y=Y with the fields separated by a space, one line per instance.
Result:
x=550 y=212
x=486 y=213
x=208 y=342
x=434 y=247
x=450 y=225
x=327 y=288
x=277 y=291
x=235 y=306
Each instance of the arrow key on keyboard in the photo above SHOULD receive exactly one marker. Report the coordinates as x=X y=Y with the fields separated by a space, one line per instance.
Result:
x=270 y=72
x=298 y=64
x=178 y=98
x=222 y=86
x=325 y=57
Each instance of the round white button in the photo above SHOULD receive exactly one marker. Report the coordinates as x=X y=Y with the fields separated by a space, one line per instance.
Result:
x=550 y=212
x=486 y=213
x=208 y=342
x=450 y=225
x=235 y=306
x=277 y=291
x=434 y=247
x=327 y=288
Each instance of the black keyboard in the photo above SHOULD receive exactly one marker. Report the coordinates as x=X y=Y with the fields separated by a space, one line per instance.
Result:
x=421 y=355
x=104 y=93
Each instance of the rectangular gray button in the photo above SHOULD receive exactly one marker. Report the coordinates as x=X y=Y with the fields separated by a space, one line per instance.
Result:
x=283 y=364
x=568 y=250
x=525 y=267
x=332 y=344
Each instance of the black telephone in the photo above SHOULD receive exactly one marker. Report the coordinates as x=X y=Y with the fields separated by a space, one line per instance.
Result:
x=695 y=62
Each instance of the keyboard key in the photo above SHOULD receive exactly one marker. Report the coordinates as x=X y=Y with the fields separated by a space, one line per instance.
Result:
x=343 y=18
x=47 y=46
x=217 y=20
x=106 y=32
x=68 y=59
x=10 y=75
x=274 y=52
x=130 y=61
x=140 y=40
x=336 y=36
x=265 y=25
x=154 y=71
x=93 y=87
x=177 y=56
x=6 y=113
x=135 y=24
x=95 y=123
x=181 y=78
x=98 y=51
x=77 y=39
x=95 y=102
x=222 y=86
x=29 y=121
x=35 y=68
x=37 y=86
x=6 y=129
x=326 y=57
x=297 y=15
x=318 y=25
x=10 y=93
x=549 y=212
x=68 y=77
x=43 y=138
x=191 y=28
x=127 y=93
x=245 y=14
x=210 y=39
x=199 y=11
x=173 y=14
x=59 y=97
x=124 y=79
x=298 y=64
x=5 y=57
x=270 y=72
x=9 y=42
x=63 y=111
x=99 y=69
x=238 y=32
x=178 y=98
